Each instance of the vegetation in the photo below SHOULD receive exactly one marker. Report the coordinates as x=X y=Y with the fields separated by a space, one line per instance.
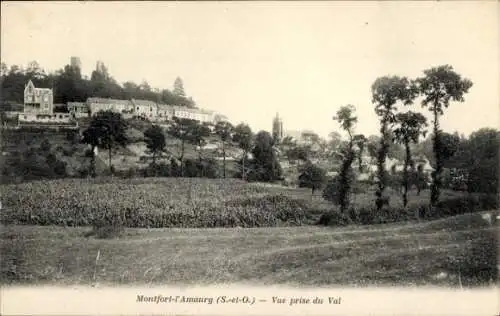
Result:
x=106 y=130
x=225 y=131
x=410 y=126
x=155 y=141
x=244 y=138
x=439 y=86
x=387 y=91
x=71 y=86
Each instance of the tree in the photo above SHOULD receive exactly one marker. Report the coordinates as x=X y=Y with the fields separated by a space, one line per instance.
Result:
x=439 y=86
x=410 y=126
x=224 y=130
x=266 y=166
x=243 y=137
x=482 y=161
x=199 y=132
x=155 y=141
x=92 y=136
x=182 y=128
x=110 y=129
x=312 y=177
x=345 y=117
x=179 y=87
x=386 y=92
x=360 y=140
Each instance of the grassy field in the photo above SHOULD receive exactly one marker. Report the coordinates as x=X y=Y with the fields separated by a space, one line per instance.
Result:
x=448 y=252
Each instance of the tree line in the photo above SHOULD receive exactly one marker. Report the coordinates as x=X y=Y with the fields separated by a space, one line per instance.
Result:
x=473 y=161
x=69 y=85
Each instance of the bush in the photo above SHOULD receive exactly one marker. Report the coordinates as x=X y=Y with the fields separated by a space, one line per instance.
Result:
x=450 y=207
x=334 y=218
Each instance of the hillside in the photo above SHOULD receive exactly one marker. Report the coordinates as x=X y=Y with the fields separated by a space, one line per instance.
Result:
x=15 y=142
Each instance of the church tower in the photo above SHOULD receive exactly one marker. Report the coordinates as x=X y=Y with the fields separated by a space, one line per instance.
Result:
x=277 y=128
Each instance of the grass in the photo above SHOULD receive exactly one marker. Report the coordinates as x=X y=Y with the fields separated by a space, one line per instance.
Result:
x=392 y=254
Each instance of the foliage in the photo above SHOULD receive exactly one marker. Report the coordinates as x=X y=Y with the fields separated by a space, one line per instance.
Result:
x=386 y=92
x=243 y=136
x=225 y=132
x=347 y=120
x=183 y=129
x=106 y=130
x=264 y=165
x=155 y=140
x=410 y=126
x=439 y=86
x=71 y=86
x=312 y=177
x=366 y=215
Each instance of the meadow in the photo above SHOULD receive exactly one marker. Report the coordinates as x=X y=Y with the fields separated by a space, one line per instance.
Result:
x=458 y=251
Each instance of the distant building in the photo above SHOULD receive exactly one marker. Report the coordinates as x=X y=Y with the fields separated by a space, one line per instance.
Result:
x=203 y=116
x=125 y=107
x=145 y=108
x=277 y=128
x=165 y=112
x=38 y=100
x=75 y=62
x=78 y=109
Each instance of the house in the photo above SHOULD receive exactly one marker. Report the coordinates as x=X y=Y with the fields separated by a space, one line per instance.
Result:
x=165 y=112
x=38 y=100
x=125 y=107
x=78 y=109
x=145 y=108
x=203 y=116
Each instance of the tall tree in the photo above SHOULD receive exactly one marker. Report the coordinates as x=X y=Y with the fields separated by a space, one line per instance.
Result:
x=199 y=134
x=179 y=87
x=386 y=92
x=111 y=131
x=345 y=116
x=266 y=166
x=182 y=128
x=439 y=86
x=225 y=132
x=244 y=138
x=410 y=126
x=155 y=141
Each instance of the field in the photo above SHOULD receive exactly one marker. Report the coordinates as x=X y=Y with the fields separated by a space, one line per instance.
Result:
x=168 y=202
x=458 y=251
x=173 y=234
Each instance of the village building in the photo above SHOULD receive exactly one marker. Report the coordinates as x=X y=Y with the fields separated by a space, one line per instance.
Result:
x=165 y=112
x=38 y=100
x=145 y=108
x=78 y=109
x=125 y=107
x=39 y=108
x=204 y=116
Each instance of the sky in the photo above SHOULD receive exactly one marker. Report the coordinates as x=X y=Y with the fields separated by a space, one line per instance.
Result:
x=250 y=60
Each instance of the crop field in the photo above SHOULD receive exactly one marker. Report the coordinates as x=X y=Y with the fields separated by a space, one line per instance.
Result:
x=167 y=202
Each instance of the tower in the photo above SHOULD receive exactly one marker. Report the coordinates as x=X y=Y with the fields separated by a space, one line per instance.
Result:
x=277 y=128
x=75 y=62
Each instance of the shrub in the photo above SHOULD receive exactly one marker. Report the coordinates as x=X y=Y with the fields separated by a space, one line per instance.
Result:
x=334 y=218
x=450 y=207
